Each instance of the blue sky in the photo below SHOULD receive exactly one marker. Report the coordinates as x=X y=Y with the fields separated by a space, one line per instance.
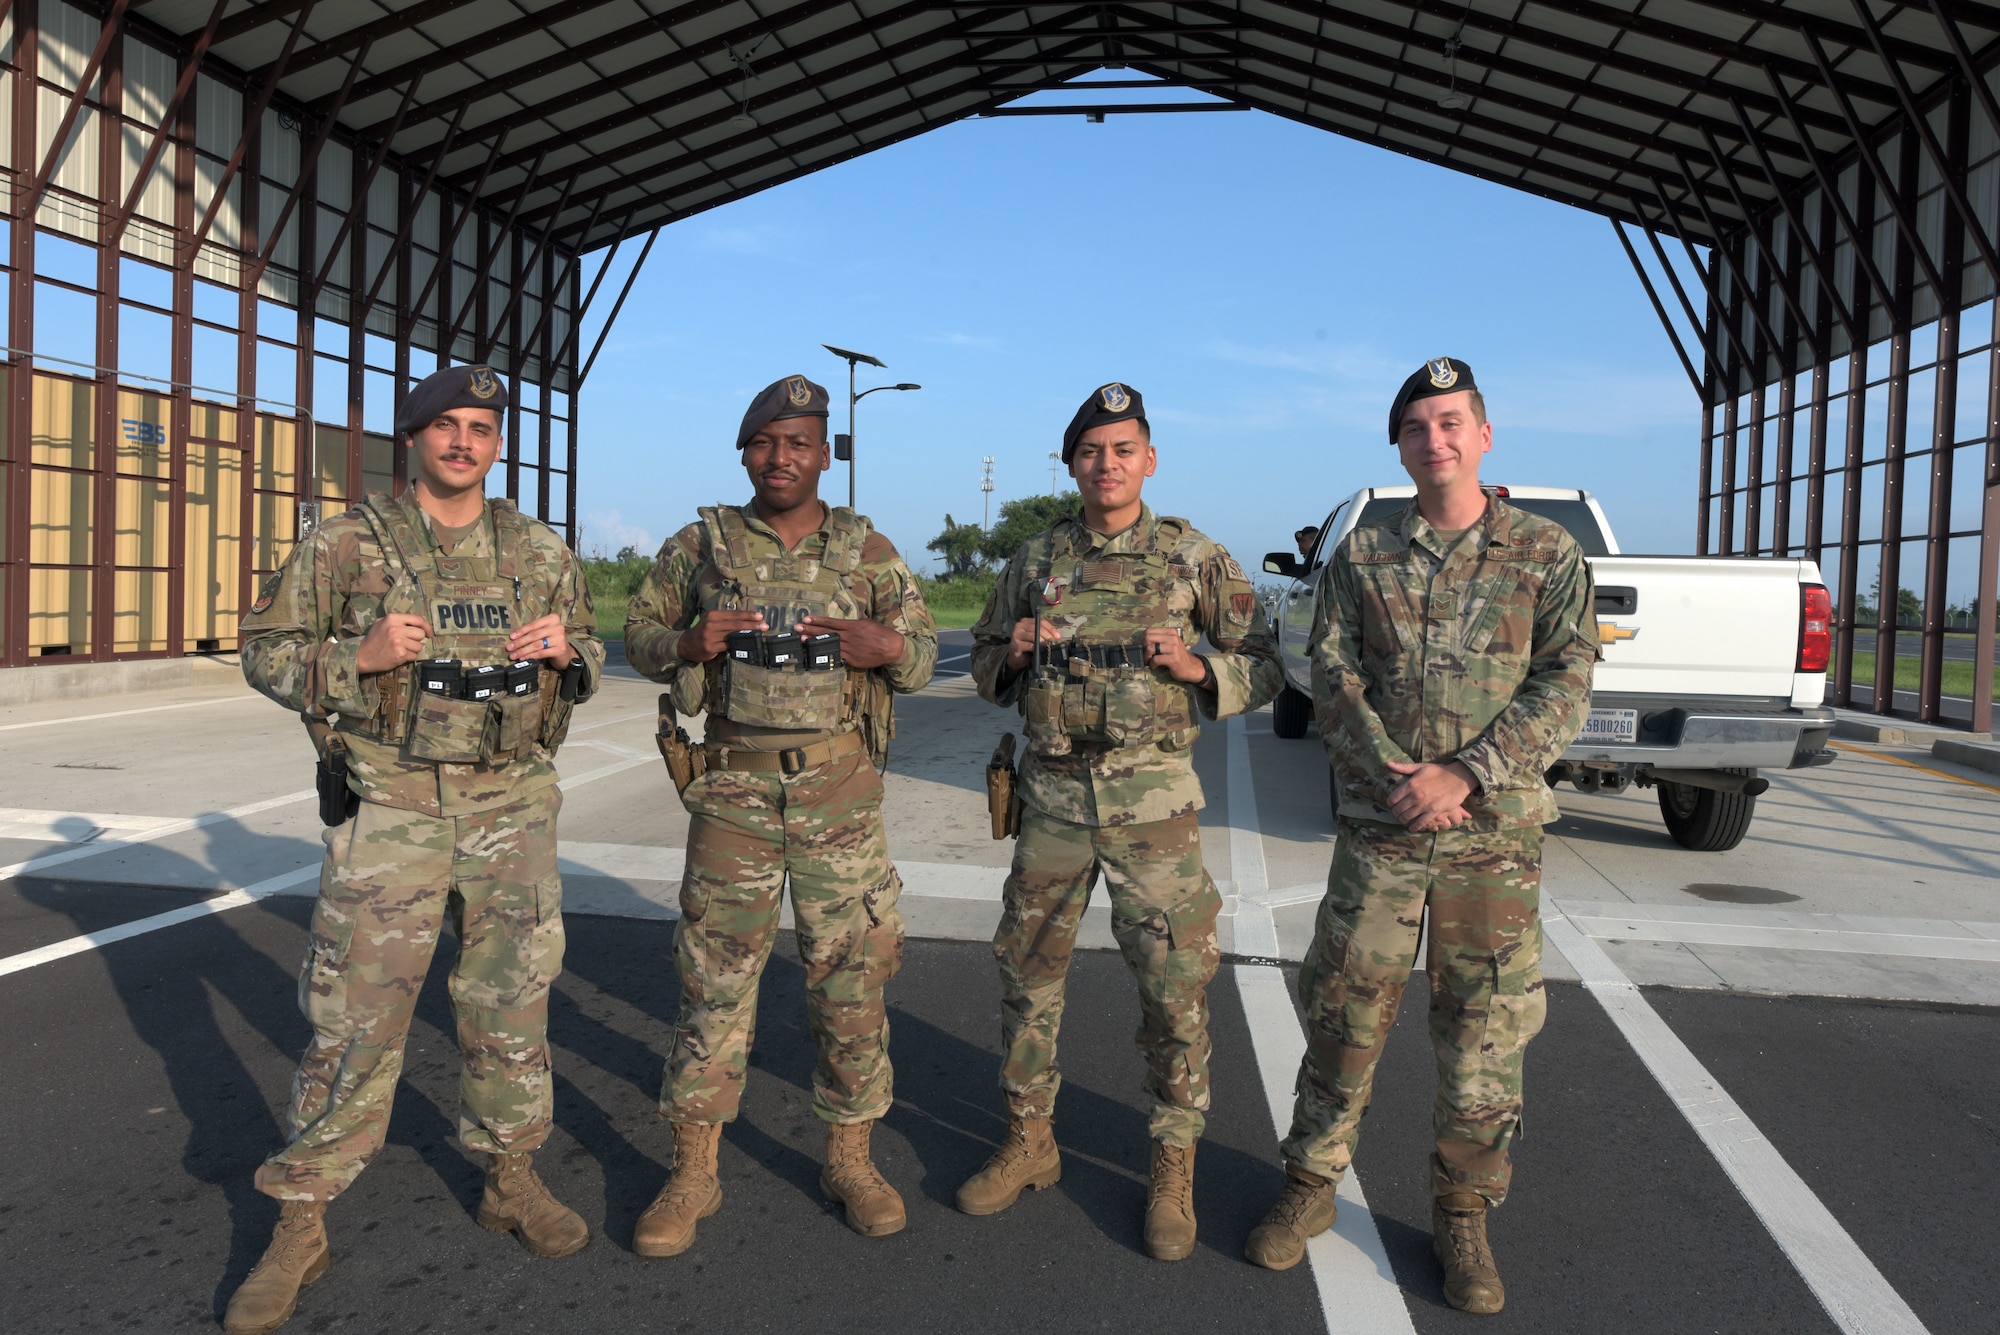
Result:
x=1266 y=285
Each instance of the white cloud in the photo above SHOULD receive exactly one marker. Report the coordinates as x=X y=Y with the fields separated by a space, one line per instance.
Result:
x=606 y=532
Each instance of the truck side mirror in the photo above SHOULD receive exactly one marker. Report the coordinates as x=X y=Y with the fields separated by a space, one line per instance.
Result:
x=1282 y=563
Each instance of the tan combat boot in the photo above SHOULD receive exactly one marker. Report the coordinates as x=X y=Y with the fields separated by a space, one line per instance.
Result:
x=1170 y=1203
x=692 y=1193
x=1305 y=1210
x=516 y=1202
x=1458 y=1236
x=874 y=1210
x=1027 y=1160
x=297 y=1256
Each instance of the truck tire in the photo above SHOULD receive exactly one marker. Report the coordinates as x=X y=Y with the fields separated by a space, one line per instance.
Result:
x=1705 y=820
x=1291 y=713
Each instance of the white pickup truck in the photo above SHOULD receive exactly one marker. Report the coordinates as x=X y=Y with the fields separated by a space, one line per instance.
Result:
x=1714 y=667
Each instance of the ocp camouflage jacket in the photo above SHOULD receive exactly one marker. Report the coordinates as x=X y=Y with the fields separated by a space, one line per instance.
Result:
x=1201 y=590
x=1478 y=651
x=303 y=635
x=686 y=581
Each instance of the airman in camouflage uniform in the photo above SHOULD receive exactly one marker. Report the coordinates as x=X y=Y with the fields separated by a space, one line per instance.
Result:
x=733 y=618
x=1452 y=648
x=1108 y=784
x=452 y=818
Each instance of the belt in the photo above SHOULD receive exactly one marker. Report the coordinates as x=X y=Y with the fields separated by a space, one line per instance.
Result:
x=1098 y=655
x=792 y=760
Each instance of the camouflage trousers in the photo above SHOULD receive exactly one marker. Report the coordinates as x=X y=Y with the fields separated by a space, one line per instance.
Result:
x=1163 y=911
x=1482 y=893
x=749 y=833
x=390 y=881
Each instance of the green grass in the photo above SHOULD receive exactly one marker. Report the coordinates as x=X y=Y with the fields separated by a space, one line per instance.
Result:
x=610 y=615
x=957 y=603
x=1957 y=677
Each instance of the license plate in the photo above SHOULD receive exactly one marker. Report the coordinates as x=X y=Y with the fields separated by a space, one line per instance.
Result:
x=1611 y=725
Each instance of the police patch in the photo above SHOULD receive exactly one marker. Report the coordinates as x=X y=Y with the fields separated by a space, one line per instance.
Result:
x=266 y=595
x=1231 y=569
x=483 y=383
x=1114 y=398
x=798 y=391
x=1443 y=374
x=1242 y=606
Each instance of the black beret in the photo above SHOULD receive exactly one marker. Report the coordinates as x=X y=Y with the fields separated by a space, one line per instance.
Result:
x=1439 y=375
x=453 y=387
x=1107 y=403
x=794 y=396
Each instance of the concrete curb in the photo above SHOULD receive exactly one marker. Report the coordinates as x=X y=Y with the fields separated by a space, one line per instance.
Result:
x=83 y=681
x=1852 y=726
x=1974 y=754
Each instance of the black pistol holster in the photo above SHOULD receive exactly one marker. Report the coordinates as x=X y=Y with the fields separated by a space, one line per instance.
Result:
x=337 y=802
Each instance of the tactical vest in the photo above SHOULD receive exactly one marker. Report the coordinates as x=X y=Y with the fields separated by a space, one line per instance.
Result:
x=1085 y=693
x=785 y=588
x=473 y=605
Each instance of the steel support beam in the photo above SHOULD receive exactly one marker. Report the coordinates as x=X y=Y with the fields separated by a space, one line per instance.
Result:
x=264 y=92
x=1652 y=295
x=483 y=274
x=114 y=23
x=1949 y=179
x=1830 y=189
x=616 y=307
x=358 y=206
x=397 y=247
x=189 y=68
x=445 y=250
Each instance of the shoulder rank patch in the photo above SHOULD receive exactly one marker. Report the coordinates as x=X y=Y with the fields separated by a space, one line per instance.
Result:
x=267 y=594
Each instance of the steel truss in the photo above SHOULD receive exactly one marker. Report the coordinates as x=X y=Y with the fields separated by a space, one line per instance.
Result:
x=1849 y=361
x=301 y=271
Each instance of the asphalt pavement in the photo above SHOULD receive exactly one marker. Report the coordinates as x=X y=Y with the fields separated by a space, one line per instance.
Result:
x=1816 y=980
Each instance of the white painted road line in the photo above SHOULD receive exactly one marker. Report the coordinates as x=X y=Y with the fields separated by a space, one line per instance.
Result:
x=1778 y=929
x=1853 y=1291
x=77 y=945
x=125 y=713
x=171 y=827
x=249 y=894
x=1358 y=1292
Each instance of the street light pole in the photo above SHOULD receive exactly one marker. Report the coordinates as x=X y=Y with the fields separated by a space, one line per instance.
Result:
x=843 y=446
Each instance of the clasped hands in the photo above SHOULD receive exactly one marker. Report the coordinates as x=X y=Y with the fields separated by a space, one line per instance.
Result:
x=397 y=638
x=1164 y=649
x=863 y=644
x=1431 y=797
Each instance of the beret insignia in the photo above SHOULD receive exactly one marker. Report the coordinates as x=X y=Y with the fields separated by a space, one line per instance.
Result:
x=483 y=383
x=1114 y=397
x=1443 y=374
x=798 y=391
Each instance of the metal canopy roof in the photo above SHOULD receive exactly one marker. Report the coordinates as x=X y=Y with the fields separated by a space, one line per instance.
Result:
x=604 y=118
